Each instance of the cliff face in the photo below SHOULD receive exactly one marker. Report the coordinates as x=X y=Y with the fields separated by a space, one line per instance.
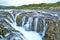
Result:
x=53 y=32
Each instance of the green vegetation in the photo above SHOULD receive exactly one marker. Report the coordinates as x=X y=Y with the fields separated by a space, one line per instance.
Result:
x=36 y=6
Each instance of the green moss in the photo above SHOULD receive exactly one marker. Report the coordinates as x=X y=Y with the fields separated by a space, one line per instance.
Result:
x=58 y=22
x=2 y=30
x=19 y=20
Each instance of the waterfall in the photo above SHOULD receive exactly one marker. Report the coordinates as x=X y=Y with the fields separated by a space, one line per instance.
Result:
x=25 y=33
x=14 y=25
x=35 y=23
x=26 y=26
x=23 y=20
x=44 y=30
x=30 y=22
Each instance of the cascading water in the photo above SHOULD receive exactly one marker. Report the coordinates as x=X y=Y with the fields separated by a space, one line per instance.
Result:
x=23 y=20
x=25 y=28
x=29 y=23
x=35 y=23
x=1 y=37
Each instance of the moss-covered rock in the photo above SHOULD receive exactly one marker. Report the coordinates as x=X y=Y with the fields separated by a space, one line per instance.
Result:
x=53 y=32
x=19 y=20
x=2 y=30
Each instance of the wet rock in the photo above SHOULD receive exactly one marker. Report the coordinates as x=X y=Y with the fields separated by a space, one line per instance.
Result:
x=19 y=20
x=15 y=36
x=2 y=30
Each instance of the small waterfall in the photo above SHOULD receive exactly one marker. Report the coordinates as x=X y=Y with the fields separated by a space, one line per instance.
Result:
x=44 y=27
x=11 y=13
x=44 y=30
x=23 y=20
x=35 y=23
x=10 y=19
x=15 y=17
x=28 y=24
x=26 y=19
x=31 y=19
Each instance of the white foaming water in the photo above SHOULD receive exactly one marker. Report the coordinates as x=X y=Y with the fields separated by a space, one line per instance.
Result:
x=30 y=22
x=23 y=20
x=29 y=35
x=44 y=30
